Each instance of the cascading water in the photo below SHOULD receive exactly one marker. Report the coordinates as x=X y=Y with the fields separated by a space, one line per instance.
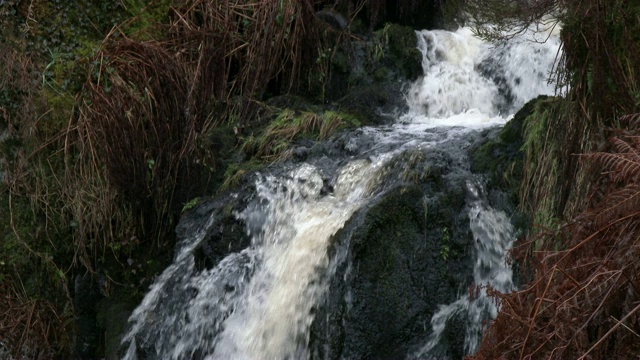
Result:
x=261 y=302
x=493 y=235
x=274 y=313
x=256 y=304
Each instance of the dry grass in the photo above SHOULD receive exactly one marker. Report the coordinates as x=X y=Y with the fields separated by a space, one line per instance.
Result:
x=112 y=166
x=244 y=47
x=160 y=98
x=274 y=142
x=31 y=328
x=600 y=58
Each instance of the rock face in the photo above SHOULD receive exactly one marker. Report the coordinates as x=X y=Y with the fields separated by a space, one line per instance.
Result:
x=224 y=236
x=86 y=297
x=405 y=253
x=368 y=76
x=501 y=158
x=408 y=252
x=219 y=234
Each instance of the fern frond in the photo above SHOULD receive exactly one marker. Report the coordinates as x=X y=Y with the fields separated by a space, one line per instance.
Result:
x=624 y=165
x=631 y=120
x=618 y=204
x=584 y=271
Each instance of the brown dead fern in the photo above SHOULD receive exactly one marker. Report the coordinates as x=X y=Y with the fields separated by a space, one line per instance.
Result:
x=582 y=300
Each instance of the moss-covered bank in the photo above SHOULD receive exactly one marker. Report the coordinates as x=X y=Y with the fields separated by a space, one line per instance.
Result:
x=574 y=190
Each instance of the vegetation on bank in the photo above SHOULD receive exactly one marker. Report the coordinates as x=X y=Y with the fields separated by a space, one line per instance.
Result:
x=580 y=174
x=115 y=116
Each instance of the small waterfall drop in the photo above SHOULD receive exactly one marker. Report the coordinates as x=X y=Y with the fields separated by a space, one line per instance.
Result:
x=273 y=315
x=257 y=304
x=493 y=237
x=260 y=302
x=471 y=83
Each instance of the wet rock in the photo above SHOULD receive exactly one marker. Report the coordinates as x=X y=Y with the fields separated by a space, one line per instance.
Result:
x=374 y=104
x=113 y=313
x=501 y=152
x=224 y=233
x=454 y=335
x=500 y=157
x=300 y=152
x=207 y=233
x=85 y=299
x=408 y=252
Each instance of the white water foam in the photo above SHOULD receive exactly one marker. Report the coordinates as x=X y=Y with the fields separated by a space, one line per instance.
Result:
x=257 y=304
x=272 y=320
x=471 y=83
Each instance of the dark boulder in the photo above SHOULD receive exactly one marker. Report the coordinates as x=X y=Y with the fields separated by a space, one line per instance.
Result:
x=409 y=251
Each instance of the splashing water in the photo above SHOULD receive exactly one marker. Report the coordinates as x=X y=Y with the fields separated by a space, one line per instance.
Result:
x=272 y=319
x=471 y=83
x=258 y=303
x=493 y=237
x=275 y=282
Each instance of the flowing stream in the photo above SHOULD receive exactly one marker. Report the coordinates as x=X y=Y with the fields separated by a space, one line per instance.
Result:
x=259 y=303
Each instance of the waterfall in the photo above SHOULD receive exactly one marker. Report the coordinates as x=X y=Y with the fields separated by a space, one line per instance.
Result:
x=493 y=237
x=265 y=310
x=274 y=313
x=260 y=303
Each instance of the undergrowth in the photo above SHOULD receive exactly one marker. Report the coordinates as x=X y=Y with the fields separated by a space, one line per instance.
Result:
x=34 y=252
x=274 y=142
x=581 y=291
x=107 y=111
x=583 y=300
x=553 y=133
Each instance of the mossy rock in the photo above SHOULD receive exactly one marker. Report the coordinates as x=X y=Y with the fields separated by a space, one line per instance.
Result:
x=402 y=43
x=368 y=103
x=113 y=314
x=397 y=259
x=501 y=157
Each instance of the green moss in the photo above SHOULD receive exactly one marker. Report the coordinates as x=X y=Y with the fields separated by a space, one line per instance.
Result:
x=402 y=41
x=236 y=172
x=389 y=226
x=273 y=142
x=362 y=103
x=145 y=16
x=340 y=62
x=502 y=157
x=112 y=316
x=12 y=253
x=543 y=150
x=33 y=249
x=414 y=168
x=381 y=74
x=190 y=204
x=524 y=159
